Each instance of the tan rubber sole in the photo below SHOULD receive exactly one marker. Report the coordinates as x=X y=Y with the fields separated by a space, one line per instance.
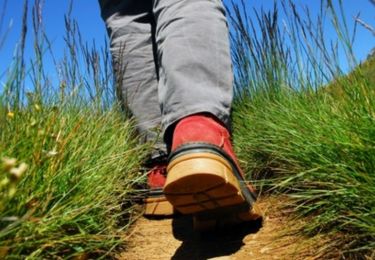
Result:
x=200 y=182
x=158 y=206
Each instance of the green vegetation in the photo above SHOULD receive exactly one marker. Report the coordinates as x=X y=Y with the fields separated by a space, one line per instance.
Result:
x=69 y=160
x=317 y=144
x=74 y=171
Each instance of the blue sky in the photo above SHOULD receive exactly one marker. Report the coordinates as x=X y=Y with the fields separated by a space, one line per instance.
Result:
x=87 y=14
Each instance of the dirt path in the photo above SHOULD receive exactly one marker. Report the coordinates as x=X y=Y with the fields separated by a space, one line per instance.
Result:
x=175 y=239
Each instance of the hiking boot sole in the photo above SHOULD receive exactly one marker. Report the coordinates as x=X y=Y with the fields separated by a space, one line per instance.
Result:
x=201 y=178
x=156 y=205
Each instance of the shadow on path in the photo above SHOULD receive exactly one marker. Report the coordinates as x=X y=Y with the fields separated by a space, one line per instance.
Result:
x=223 y=242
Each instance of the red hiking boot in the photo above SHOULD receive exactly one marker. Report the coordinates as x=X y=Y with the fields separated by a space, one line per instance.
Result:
x=203 y=172
x=155 y=202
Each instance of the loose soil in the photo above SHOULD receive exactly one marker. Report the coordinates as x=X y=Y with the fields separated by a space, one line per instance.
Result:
x=276 y=236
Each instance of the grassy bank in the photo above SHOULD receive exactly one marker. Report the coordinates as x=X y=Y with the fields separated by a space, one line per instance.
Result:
x=68 y=157
x=65 y=178
x=305 y=129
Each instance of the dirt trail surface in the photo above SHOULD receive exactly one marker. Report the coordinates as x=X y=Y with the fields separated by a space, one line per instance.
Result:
x=176 y=239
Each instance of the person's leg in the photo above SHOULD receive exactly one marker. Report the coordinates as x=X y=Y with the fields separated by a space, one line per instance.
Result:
x=130 y=25
x=195 y=91
x=195 y=63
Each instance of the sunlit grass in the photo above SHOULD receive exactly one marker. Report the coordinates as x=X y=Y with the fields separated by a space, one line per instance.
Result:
x=81 y=167
x=300 y=135
x=68 y=156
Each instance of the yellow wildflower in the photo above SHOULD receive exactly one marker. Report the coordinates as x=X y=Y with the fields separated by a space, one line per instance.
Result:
x=10 y=114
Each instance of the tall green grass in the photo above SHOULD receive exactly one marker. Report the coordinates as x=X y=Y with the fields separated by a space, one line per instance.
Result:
x=68 y=157
x=70 y=198
x=304 y=128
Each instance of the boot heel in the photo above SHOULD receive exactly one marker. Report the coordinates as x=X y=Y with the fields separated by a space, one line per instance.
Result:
x=201 y=181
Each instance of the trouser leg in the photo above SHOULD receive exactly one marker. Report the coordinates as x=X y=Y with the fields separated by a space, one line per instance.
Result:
x=194 y=54
x=130 y=25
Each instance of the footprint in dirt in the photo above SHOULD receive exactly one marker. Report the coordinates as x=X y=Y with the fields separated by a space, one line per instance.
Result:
x=210 y=244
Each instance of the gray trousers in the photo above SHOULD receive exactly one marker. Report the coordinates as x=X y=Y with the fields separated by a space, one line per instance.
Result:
x=171 y=60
